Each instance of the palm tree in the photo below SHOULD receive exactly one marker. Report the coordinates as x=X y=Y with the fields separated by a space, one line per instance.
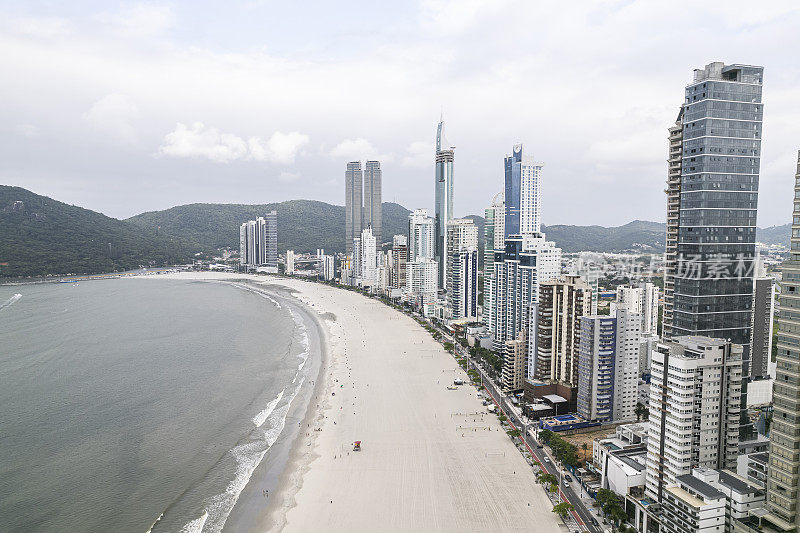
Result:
x=585 y=448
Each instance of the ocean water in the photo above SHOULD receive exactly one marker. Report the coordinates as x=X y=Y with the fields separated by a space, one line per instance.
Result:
x=138 y=405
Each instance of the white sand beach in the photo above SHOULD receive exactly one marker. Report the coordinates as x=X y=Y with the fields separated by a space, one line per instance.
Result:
x=432 y=459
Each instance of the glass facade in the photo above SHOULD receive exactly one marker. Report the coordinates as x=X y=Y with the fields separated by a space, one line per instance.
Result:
x=444 y=200
x=720 y=159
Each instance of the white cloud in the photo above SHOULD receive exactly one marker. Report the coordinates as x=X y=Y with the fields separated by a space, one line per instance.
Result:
x=41 y=27
x=357 y=149
x=140 y=20
x=280 y=148
x=113 y=116
x=288 y=176
x=200 y=140
x=28 y=130
x=419 y=154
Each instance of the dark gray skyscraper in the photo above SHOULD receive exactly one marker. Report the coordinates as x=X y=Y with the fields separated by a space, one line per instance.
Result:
x=353 y=191
x=444 y=200
x=372 y=199
x=711 y=251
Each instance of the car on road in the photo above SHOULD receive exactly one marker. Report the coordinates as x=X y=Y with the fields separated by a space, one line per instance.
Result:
x=546 y=459
x=568 y=478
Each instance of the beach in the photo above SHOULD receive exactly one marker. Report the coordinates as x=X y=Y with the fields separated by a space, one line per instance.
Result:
x=431 y=459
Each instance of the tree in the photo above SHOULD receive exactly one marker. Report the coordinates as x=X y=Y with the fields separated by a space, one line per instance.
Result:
x=562 y=509
x=545 y=435
x=585 y=448
x=514 y=433
x=448 y=346
x=641 y=412
x=548 y=479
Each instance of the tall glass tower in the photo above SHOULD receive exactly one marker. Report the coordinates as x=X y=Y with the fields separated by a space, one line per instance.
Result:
x=372 y=200
x=444 y=199
x=783 y=482
x=713 y=242
x=353 y=202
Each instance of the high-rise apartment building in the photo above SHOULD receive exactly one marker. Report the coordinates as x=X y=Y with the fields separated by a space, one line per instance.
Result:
x=712 y=203
x=420 y=235
x=421 y=281
x=519 y=270
x=608 y=366
x=258 y=242
x=462 y=268
x=642 y=300
x=523 y=194
x=761 y=340
x=783 y=481
x=513 y=373
x=444 y=199
x=372 y=200
x=399 y=260
x=493 y=241
x=369 y=257
x=289 y=262
x=695 y=403
x=353 y=204
x=562 y=304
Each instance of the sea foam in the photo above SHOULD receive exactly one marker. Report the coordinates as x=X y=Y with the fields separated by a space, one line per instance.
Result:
x=10 y=301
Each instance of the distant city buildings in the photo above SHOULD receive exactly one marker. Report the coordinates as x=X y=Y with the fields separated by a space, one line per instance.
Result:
x=258 y=242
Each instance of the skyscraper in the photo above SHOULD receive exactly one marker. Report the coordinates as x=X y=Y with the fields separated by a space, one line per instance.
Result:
x=783 y=480
x=369 y=256
x=761 y=342
x=523 y=194
x=562 y=303
x=372 y=199
x=695 y=400
x=444 y=199
x=493 y=239
x=399 y=260
x=462 y=268
x=712 y=203
x=353 y=201
x=420 y=235
x=608 y=366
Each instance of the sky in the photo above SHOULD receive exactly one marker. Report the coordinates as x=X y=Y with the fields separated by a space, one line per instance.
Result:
x=129 y=107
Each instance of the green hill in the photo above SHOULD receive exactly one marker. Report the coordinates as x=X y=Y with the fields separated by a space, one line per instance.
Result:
x=40 y=236
x=636 y=236
x=303 y=225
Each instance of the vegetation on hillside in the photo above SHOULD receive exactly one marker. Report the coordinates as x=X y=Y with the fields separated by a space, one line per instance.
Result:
x=303 y=225
x=40 y=236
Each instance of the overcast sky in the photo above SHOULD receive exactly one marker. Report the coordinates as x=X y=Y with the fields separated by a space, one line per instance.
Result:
x=130 y=107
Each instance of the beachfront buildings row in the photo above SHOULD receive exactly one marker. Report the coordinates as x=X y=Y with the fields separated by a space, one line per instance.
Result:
x=258 y=243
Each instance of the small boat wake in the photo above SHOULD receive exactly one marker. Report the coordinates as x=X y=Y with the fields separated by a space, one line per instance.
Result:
x=10 y=301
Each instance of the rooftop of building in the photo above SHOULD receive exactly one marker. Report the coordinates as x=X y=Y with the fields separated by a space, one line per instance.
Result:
x=700 y=487
x=685 y=497
x=736 y=483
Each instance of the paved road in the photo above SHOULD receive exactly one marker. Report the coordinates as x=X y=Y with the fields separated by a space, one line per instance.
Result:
x=581 y=513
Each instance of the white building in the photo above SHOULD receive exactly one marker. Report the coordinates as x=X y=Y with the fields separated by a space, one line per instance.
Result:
x=420 y=235
x=328 y=272
x=289 y=262
x=422 y=277
x=608 y=367
x=369 y=257
x=708 y=501
x=695 y=403
x=462 y=269
x=642 y=300
x=258 y=242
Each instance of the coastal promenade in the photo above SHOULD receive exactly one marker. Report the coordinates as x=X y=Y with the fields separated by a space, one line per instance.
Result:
x=432 y=459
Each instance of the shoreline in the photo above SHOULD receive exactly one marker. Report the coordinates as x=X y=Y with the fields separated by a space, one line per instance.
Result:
x=253 y=511
x=432 y=458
